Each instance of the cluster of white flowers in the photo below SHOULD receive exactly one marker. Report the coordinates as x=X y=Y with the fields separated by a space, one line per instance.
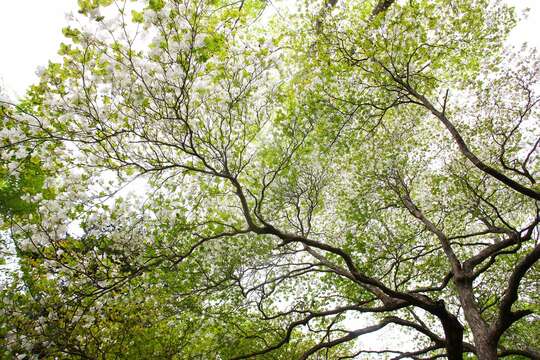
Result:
x=11 y=135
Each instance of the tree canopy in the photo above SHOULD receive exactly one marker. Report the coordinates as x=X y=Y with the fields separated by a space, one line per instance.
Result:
x=253 y=179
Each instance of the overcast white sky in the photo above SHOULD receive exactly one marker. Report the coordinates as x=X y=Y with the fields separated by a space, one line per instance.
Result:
x=30 y=32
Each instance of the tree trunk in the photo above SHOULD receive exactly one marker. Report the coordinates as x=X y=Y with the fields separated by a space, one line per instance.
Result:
x=453 y=333
x=485 y=350
x=486 y=347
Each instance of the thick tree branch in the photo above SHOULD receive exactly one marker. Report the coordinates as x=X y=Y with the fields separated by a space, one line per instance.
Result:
x=493 y=250
x=464 y=148
x=506 y=316
x=381 y=7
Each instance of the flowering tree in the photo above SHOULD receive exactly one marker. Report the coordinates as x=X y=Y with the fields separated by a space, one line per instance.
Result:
x=239 y=179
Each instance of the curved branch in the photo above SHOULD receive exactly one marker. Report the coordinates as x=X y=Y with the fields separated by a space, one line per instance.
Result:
x=464 y=148
x=506 y=316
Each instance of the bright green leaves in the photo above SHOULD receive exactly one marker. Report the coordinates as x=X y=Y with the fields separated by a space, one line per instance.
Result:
x=72 y=34
x=21 y=173
x=29 y=182
x=214 y=45
x=156 y=5
x=137 y=17
x=87 y=6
